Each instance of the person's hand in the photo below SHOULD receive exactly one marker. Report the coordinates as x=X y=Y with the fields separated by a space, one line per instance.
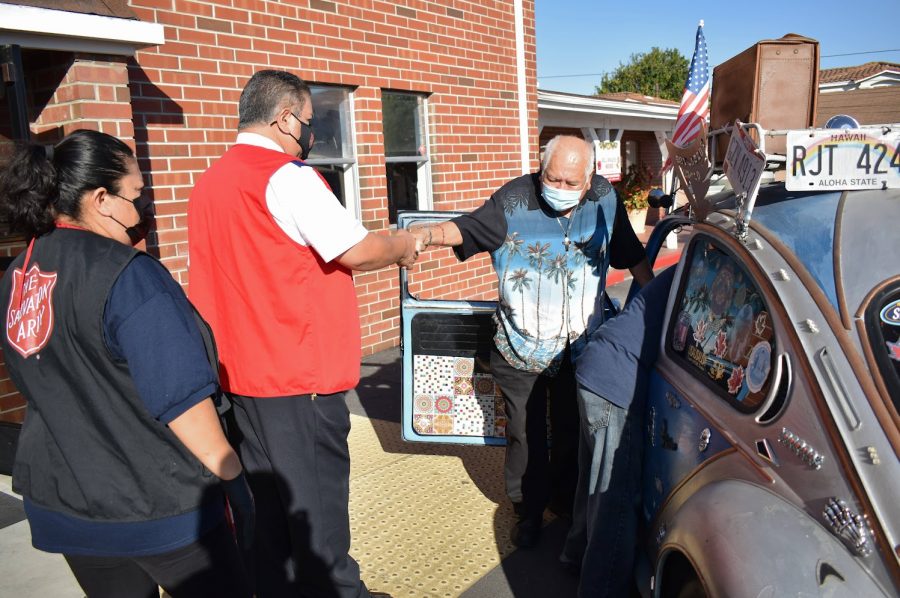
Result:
x=243 y=509
x=411 y=248
x=423 y=237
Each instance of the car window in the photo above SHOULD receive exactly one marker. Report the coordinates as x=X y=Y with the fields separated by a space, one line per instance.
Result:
x=721 y=329
x=883 y=325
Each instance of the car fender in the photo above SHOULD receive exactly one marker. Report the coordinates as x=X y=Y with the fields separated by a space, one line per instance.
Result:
x=745 y=541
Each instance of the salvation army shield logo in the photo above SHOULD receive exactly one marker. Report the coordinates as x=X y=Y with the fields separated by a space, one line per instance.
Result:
x=29 y=317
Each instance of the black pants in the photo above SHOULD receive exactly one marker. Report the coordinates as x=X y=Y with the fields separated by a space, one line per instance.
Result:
x=208 y=568
x=295 y=452
x=536 y=476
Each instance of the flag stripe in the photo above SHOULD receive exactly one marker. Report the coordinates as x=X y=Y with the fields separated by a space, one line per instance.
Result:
x=694 y=107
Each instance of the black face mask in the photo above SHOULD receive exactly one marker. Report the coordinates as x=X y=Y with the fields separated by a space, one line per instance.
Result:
x=144 y=208
x=305 y=141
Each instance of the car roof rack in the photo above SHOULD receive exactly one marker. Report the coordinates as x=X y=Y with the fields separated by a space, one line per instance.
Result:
x=753 y=149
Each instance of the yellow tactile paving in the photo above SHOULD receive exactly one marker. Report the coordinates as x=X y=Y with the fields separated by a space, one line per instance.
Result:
x=427 y=520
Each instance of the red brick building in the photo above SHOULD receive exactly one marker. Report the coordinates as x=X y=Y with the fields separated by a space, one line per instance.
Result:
x=428 y=105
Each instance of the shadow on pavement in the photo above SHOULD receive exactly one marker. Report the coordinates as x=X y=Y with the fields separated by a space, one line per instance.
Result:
x=522 y=574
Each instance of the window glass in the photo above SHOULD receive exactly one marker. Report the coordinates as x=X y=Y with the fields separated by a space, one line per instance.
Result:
x=883 y=326
x=406 y=152
x=13 y=128
x=333 y=154
x=402 y=125
x=721 y=328
x=631 y=154
x=403 y=187
x=331 y=122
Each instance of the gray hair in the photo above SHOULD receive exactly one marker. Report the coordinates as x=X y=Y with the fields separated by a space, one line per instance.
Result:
x=265 y=94
x=585 y=147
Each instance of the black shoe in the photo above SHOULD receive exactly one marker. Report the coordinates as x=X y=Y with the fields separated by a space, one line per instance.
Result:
x=526 y=533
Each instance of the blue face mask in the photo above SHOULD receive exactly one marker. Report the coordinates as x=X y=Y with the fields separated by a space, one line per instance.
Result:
x=560 y=199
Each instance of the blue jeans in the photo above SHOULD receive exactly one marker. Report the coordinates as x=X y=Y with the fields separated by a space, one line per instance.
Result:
x=603 y=536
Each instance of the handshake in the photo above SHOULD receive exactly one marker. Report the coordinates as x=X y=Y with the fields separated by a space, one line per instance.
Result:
x=416 y=240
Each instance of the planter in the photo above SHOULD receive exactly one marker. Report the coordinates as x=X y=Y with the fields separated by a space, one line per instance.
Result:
x=638 y=219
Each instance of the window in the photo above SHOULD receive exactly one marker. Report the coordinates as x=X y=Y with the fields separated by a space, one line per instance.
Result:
x=631 y=154
x=406 y=152
x=333 y=154
x=883 y=327
x=721 y=329
x=13 y=120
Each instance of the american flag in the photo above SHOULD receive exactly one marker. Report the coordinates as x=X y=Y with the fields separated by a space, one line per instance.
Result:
x=695 y=102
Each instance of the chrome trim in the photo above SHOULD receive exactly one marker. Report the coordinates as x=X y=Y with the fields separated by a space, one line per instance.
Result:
x=802 y=449
x=782 y=367
x=781 y=275
x=851 y=528
x=704 y=440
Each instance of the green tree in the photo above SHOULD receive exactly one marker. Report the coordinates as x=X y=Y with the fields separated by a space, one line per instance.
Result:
x=660 y=73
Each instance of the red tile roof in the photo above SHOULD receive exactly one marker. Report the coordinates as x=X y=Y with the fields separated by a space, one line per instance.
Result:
x=856 y=73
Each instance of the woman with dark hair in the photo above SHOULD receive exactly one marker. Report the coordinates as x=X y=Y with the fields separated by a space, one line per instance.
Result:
x=121 y=461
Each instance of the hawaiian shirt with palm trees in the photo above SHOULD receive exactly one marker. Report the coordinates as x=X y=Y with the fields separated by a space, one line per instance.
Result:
x=551 y=272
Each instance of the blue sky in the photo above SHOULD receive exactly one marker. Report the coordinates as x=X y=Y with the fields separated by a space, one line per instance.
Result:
x=590 y=36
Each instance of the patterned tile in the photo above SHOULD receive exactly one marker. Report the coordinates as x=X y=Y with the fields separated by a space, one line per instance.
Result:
x=423 y=404
x=500 y=406
x=433 y=374
x=464 y=366
x=484 y=385
x=470 y=418
x=451 y=399
x=423 y=424
x=500 y=426
x=462 y=385
x=443 y=404
x=443 y=424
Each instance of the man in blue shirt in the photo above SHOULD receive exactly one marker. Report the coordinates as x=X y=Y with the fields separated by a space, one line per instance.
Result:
x=613 y=374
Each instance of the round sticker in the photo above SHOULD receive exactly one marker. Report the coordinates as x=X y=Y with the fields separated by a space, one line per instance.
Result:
x=758 y=366
x=891 y=313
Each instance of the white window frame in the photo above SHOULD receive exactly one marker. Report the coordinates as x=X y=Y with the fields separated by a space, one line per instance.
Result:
x=423 y=171
x=350 y=174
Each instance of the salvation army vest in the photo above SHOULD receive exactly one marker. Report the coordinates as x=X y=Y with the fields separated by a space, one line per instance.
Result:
x=285 y=321
x=88 y=446
x=550 y=296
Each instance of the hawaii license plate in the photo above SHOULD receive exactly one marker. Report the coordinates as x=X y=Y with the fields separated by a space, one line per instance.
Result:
x=833 y=159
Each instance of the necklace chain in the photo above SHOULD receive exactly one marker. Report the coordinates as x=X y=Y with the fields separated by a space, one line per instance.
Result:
x=565 y=231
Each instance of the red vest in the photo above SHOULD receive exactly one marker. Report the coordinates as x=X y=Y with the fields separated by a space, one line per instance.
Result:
x=285 y=321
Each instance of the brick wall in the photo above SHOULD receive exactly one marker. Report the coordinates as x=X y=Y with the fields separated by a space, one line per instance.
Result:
x=460 y=53
x=66 y=92
x=176 y=104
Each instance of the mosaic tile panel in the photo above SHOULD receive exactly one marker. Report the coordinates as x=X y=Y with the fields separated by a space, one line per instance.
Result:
x=450 y=398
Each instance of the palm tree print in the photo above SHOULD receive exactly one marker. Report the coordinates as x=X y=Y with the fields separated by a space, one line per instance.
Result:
x=512 y=201
x=520 y=282
x=571 y=281
x=512 y=246
x=557 y=271
x=537 y=255
x=557 y=268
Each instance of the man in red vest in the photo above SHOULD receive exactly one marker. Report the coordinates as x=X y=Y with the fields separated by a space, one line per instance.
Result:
x=271 y=258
